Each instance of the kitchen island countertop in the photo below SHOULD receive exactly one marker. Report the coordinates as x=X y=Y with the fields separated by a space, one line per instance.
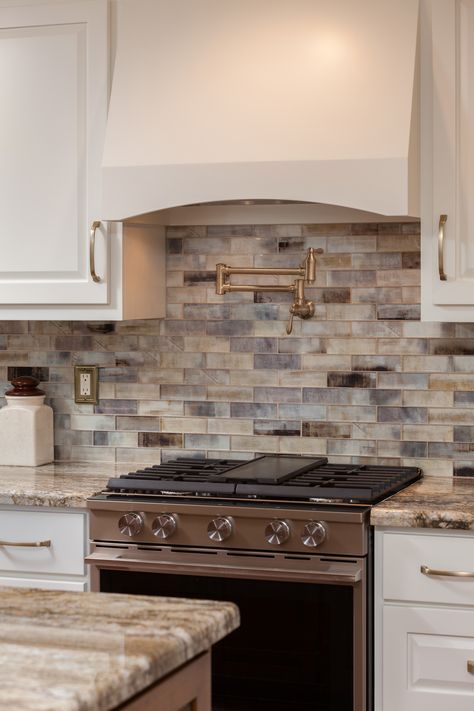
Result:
x=431 y=502
x=64 y=485
x=64 y=651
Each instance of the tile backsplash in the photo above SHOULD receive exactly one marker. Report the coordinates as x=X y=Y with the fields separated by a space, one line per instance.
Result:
x=362 y=381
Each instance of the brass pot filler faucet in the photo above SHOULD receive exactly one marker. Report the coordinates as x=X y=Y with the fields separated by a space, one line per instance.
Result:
x=301 y=306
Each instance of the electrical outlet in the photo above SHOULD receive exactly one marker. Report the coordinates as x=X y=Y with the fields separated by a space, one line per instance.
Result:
x=86 y=384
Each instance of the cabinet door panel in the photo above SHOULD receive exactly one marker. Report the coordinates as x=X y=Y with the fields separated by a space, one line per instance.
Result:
x=453 y=148
x=53 y=92
x=425 y=655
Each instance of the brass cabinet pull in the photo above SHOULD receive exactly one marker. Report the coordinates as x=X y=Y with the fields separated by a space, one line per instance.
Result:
x=448 y=573
x=470 y=666
x=94 y=226
x=27 y=544
x=442 y=222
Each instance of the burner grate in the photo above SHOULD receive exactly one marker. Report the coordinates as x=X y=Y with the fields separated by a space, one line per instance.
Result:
x=267 y=477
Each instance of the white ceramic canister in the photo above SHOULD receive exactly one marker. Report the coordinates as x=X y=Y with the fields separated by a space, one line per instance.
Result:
x=26 y=425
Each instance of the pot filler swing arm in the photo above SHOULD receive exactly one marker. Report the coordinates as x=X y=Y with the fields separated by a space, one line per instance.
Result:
x=301 y=306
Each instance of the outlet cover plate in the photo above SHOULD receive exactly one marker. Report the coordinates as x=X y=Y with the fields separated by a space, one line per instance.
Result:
x=93 y=396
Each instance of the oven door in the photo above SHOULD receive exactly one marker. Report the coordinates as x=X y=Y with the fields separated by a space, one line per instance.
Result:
x=302 y=643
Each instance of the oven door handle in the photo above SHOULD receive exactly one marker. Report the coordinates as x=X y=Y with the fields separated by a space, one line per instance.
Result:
x=331 y=571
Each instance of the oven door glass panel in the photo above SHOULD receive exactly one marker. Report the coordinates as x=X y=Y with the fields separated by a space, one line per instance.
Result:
x=292 y=651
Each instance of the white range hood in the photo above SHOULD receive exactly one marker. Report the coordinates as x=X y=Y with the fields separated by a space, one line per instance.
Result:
x=306 y=100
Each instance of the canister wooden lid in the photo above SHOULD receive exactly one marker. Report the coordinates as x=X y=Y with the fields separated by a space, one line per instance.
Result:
x=24 y=386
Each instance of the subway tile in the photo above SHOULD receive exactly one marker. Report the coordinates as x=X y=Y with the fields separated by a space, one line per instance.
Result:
x=356 y=243
x=253 y=345
x=42 y=373
x=375 y=431
x=333 y=230
x=376 y=363
x=427 y=364
x=228 y=393
x=404 y=346
x=351 y=312
x=279 y=395
x=463 y=468
x=352 y=446
x=302 y=412
x=463 y=434
x=184 y=424
x=451 y=417
x=159 y=407
x=351 y=380
x=159 y=439
x=207 y=441
x=452 y=381
x=379 y=329
x=230 y=426
x=398 y=277
x=277 y=427
x=327 y=396
x=463 y=398
x=313 y=446
x=404 y=381
x=403 y=449
x=352 y=277
x=398 y=312
x=258 y=377
x=139 y=423
x=429 y=433
x=403 y=414
x=209 y=376
x=253 y=410
x=301 y=378
x=229 y=328
x=118 y=375
x=255 y=443
x=451 y=450
x=182 y=360
x=115 y=439
x=377 y=260
x=395 y=243
x=463 y=364
x=257 y=245
x=206 y=344
x=207 y=409
x=135 y=391
x=361 y=413
x=325 y=429
x=92 y=422
x=183 y=392
x=351 y=346
x=452 y=346
x=428 y=398
x=158 y=376
x=325 y=362
x=116 y=407
x=377 y=295
x=277 y=361
x=427 y=329
x=232 y=361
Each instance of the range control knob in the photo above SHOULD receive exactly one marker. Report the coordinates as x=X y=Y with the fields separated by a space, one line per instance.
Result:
x=131 y=524
x=219 y=529
x=314 y=533
x=277 y=532
x=164 y=525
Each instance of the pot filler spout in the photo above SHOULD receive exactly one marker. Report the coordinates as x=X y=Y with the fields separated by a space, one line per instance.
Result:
x=301 y=306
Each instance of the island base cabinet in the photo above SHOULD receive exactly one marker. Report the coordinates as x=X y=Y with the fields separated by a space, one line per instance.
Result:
x=186 y=689
x=426 y=655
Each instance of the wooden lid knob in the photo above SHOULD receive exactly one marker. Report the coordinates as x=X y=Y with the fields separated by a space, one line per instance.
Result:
x=25 y=386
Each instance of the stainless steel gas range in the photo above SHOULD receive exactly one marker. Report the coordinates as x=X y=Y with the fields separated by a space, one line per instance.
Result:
x=286 y=538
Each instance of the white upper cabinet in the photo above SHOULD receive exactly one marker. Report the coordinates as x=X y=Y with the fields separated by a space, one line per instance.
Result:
x=54 y=58
x=53 y=104
x=447 y=135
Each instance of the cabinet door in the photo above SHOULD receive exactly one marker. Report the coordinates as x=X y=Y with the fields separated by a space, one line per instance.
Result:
x=53 y=99
x=448 y=159
x=425 y=659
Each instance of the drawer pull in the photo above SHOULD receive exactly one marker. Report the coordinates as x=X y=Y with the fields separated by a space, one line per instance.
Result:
x=470 y=666
x=448 y=573
x=27 y=544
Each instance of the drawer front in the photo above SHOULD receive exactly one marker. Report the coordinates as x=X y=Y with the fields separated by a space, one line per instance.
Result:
x=66 y=531
x=403 y=556
x=425 y=659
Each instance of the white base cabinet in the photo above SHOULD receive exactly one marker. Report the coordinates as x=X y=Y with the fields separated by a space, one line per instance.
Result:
x=424 y=621
x=43 y=548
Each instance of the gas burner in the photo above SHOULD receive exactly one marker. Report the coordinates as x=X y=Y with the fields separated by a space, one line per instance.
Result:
x=275 y=478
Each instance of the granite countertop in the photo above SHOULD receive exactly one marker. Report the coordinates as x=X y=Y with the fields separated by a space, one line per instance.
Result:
x=431 y=502
x=63 y=651
x=64 y=484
